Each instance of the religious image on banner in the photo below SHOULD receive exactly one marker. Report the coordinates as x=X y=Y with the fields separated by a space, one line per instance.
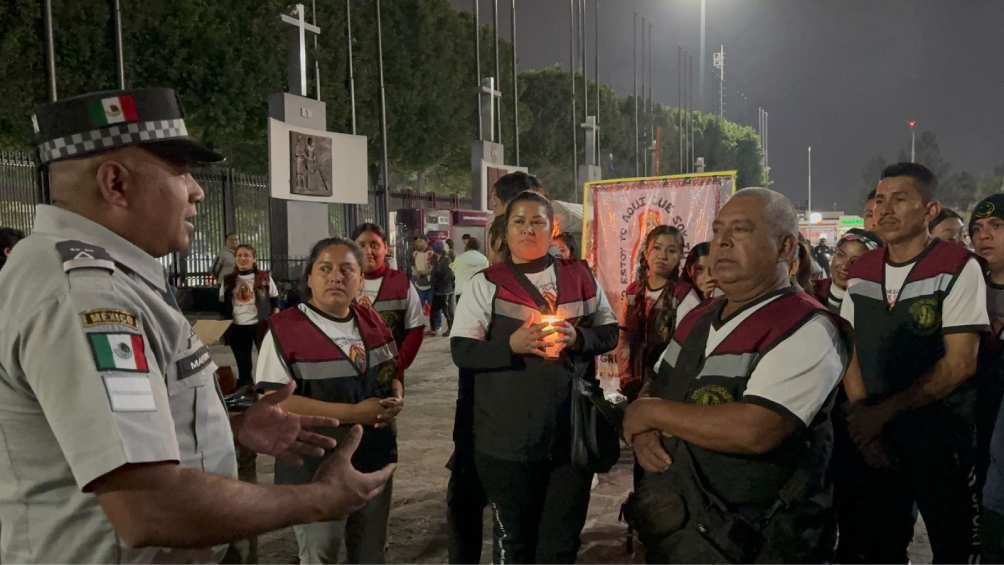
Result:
x=619 y=215
x=310 y=164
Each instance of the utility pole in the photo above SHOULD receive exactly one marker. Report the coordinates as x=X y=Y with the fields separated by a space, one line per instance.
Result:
x=352 y=77
x=384 y=197
x=120 y=55
x=704 y=40
x=649 y=155
x=477 y=67
x=498 y=70
x=596 y=77
x=571 y=73
x=50 y=50
x=679 y=100
x=719 y=62
x=637 y=164
x=515 y=87
x=913 y=140
x=808 y=212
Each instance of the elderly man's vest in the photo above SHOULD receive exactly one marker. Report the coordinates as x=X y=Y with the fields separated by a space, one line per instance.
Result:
x=897 y=345
x=687 y=375
x=523 y=413
x=324 y=372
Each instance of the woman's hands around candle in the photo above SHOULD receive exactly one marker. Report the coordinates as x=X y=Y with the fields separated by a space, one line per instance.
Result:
x=566 y=333
x=529 y=339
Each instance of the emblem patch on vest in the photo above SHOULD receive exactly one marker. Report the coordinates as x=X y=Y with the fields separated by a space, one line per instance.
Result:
x=925 y=315
x=711 y=395
x=390 y=318
x=386 y=374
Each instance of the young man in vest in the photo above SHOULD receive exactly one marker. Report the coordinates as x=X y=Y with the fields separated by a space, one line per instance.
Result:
x=918 y=307
x=986 y=229
x=736 y=436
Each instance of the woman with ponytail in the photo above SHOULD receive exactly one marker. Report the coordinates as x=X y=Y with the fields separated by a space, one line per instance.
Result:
x=656 y=300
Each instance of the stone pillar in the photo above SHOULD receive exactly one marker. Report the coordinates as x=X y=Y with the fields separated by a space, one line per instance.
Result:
x=305 y=222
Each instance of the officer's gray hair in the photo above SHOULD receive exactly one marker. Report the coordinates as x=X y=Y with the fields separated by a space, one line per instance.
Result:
x=780 y=214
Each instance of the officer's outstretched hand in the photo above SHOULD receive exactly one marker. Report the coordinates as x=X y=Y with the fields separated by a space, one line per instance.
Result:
x=346 y=489
x=269 y=428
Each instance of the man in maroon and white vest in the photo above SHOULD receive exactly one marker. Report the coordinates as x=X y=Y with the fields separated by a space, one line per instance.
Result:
x=918 y=307
x=736 y=436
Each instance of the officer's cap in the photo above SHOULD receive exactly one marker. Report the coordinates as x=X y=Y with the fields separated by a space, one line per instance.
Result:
x=102 y=121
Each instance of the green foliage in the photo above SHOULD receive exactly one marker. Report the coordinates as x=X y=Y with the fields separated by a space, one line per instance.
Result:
x=225 y=57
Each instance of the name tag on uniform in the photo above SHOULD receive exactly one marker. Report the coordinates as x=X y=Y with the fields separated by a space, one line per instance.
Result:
x=193 y=364
x=129 y=393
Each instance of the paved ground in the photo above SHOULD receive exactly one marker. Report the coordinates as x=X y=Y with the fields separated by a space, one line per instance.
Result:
x=418 y=516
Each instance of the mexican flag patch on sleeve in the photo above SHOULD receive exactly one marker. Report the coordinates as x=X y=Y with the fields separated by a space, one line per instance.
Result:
x=119 y=352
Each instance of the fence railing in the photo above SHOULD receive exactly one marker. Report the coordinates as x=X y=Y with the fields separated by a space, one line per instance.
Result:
x=19 y=190
x=234 y=202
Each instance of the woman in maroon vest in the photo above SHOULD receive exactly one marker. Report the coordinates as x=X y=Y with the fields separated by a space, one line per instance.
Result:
x=344 y=361
x=855 y=243
x=391 y=294
x=697 y=271
x=248 y=297
x=656 y=300
x=526 y=329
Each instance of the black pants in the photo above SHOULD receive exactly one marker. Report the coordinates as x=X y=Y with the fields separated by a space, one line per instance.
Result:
x=465 y=506
x=465 y=497
x=935 y=469
x=539 y=508
x=241 y=340
x=441 y=303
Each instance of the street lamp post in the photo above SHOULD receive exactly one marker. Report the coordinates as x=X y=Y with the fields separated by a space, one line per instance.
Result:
x=808 y=212
x=913 y=140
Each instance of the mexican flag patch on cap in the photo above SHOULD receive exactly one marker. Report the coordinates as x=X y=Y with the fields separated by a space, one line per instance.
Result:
x=114 y=110
x=119 y=352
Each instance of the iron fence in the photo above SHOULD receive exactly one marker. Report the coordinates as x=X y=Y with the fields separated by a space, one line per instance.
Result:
x=234 y=202
x=19 y=190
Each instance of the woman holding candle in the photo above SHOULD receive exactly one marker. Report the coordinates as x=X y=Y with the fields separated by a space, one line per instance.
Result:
x=656 y=301
x=526 y=328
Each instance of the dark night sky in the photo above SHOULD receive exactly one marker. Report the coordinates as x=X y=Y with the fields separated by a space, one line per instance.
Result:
x=841 y=75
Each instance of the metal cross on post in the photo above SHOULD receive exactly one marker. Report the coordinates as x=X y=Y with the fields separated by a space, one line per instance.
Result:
x=489 y=104
x=591 y=130
x=297 y=71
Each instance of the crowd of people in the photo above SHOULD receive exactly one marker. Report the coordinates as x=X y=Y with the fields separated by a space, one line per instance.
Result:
x=777 y=409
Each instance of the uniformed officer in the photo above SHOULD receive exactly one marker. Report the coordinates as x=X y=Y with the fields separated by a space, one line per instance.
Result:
x=114 y=442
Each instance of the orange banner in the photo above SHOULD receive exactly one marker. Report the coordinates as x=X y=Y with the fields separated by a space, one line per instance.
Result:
x=620 y=213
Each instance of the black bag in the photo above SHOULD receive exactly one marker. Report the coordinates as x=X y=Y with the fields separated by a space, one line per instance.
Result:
x=595 y=421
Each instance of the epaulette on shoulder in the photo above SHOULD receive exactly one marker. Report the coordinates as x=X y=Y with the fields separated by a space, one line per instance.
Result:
x=79 y=255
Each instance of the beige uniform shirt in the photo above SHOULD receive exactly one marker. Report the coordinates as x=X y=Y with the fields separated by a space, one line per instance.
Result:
x=98 y=369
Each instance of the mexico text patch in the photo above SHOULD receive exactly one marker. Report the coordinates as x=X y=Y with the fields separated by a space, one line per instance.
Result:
x=108 y=317
x=119 y=352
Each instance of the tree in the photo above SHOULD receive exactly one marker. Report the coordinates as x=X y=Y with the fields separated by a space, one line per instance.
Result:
x=225 y=57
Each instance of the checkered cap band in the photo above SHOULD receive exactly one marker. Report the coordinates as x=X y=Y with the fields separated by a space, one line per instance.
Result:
x=111 y=137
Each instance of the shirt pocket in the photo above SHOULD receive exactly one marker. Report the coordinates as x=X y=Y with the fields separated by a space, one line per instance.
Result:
x=201 y=422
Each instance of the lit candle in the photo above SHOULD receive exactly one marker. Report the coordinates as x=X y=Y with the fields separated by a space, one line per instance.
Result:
x=553 y=346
